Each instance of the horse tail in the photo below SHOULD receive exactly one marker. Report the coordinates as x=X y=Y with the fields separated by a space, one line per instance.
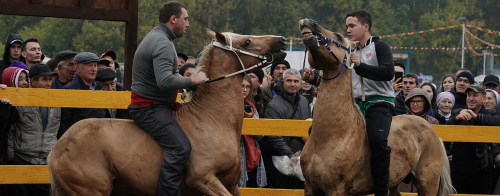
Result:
x=55 y=188
x=445 y=186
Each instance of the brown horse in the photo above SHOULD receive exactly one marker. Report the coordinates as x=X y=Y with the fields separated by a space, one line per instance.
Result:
x=115 y=157
x=336 y=158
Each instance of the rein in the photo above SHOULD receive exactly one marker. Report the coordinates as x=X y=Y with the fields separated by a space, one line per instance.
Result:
x=346 y=57
x=236 y=51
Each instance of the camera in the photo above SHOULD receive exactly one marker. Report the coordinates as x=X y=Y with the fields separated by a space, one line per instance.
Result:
x=248 y=109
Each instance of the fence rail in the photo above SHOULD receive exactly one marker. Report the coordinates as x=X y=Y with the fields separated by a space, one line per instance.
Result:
x=39 y=174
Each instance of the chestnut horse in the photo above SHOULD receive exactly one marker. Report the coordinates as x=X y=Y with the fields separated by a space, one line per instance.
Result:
x=115 y=157
x=336 y=157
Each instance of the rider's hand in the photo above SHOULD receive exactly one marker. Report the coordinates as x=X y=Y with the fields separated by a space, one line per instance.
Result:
x=308 y=75
x=199 y=78
x=355 y=59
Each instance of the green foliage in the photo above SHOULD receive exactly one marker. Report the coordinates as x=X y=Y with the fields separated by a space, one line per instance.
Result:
x=280 y=17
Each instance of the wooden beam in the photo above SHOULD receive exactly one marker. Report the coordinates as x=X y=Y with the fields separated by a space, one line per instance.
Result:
x=130 y=43
x=39 y=174
x=21 y=174
x=63 y=12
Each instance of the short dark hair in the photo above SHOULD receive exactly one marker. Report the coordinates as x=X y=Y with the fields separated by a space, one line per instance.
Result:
x=434 y=92
x=400 y=65
x=363 y=17
x=36 y=77
x=185 y=67
x=169 y=9
x=410 y=75
x=31 y=39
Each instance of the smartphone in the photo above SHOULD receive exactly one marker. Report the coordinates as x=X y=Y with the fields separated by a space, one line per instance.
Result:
x=248 y=109
x=397 y=75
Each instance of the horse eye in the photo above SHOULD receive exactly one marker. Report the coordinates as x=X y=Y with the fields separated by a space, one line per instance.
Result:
x=247 y=43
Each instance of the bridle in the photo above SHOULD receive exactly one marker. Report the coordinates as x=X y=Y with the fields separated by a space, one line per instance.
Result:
x=323 y=39
x=236 y=51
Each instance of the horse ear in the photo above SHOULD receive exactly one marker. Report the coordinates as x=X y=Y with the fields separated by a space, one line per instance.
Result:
x=210 y=34
x=220 y=38
x=354 y=43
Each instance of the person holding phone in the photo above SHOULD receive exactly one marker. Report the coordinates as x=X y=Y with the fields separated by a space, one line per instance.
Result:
x=253 y=172
x=397 y=81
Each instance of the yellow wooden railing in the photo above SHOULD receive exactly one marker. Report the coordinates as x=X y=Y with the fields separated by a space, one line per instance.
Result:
x=19 y=174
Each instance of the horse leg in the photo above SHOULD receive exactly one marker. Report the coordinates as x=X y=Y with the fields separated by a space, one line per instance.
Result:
x=427 y=179
x=235 y=191
x=210 y=185
x=394 y=191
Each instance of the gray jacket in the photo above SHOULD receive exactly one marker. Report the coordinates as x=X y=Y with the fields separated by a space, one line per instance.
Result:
x=154 y=74
x=26 y=138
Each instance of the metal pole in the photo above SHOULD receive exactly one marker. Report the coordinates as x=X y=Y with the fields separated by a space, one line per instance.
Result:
x=463 y=45
x=484 y=62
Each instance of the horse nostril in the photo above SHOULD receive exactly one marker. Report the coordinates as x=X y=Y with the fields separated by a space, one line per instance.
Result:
x=283 y=40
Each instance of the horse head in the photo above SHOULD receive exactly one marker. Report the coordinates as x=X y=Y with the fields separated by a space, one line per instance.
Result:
x=320 y=57
x=245 y=51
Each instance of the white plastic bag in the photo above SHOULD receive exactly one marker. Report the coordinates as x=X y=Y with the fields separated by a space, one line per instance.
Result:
x=286 y=167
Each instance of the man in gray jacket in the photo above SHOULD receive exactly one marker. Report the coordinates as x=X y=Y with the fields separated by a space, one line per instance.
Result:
x=32 y=137
x=155 y=83
x=287 y=104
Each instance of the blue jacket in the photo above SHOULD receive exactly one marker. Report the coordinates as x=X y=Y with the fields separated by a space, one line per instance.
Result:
x=70 y=116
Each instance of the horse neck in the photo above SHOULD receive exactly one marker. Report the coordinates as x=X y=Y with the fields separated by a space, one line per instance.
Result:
x=221 y=98
x=336 y=97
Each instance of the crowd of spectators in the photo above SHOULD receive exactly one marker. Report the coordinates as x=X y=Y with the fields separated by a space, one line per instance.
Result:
x=27 y=134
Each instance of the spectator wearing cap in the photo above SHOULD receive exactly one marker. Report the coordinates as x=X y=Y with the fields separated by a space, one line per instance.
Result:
x=258 y=100
x=182 y=58
x=107 y=82
x=277 y=70
x=103 y=63
x=464 y=80
x=67 y=69
x=110 y=55
x=53 y=65
x=31 y=137
x=12 y=51
x=86 y=66
x=471 y=167
x=492 y=82
x=31 y=52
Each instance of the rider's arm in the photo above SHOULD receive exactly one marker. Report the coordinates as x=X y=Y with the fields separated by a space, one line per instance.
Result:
x=163 y=64
x=385 y=69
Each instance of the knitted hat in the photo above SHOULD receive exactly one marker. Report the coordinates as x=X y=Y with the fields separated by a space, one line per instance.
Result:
x=468 y=75
x=10 y=76
x=273 y=66
x=445 y=95
x=260 y=74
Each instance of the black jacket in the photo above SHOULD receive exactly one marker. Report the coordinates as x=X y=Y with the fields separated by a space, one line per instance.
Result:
x=465 y=159
x=70 y=116
x=281 y=107
x=5 y=62
x=399 y=104
x=460 y=99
